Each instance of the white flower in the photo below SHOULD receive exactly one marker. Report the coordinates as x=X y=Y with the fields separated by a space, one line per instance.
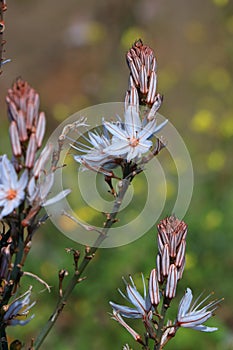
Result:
x=11 y=189
x=39 y=190
x=131 y=138
x=190 y=317
x=94 y=156
x=120 y=140
x=19 y=308
x=141 y=304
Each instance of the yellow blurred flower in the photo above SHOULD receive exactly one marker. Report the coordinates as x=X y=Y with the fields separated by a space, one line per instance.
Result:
x=220 y=3
x=219 y=79
x=226 y=126
x=213 y=219
x=202 y=121
x=216 y=160
x=130 y=35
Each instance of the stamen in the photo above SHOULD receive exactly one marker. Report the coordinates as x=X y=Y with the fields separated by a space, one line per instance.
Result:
x=11 y=194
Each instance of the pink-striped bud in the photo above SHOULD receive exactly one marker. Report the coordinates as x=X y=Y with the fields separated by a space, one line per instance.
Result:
x=14 y=137
x=171 y=282
x=154 y=288
x=31 y=151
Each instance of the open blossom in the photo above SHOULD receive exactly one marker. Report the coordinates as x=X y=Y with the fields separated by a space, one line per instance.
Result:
x=94 y=155
x=131 y=139
x=12 y=189
x=121 y=140
x=38 y=191
x=17 y=309
x=141 y=304
x=191 y=316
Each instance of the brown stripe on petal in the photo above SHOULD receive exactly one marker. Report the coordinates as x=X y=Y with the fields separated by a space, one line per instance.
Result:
x=181 y=253
x=148 y=64
x=160 y=244
x=154 y=288
x=12 y=109
x=30 y=116
x=23 y=103
x=133 y=97
x=134 y=73
x=155 y=107
x=129 y=57
x=137 y=62
x=40 y=129
x=14 y=137
x=173 y=244
x=163 y=234
x=152 y=88
x=42 y=160
x=143 y=57
x=171 y=282
x=143 y=80
x=31 y=151
x=21 y=123
x=154 y=65
x=165 y=260
x=158 y=264
x=181 y=231
x=36 y=104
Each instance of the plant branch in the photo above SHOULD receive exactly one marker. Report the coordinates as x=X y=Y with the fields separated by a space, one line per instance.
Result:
x=86 y=260
x=165 y=306
x=3 y=8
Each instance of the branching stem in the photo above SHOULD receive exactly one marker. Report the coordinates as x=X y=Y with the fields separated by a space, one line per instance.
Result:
x=86 y=260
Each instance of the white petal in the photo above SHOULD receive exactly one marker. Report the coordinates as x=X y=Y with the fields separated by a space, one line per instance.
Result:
x=118 y=148
x=116 y=130
x=9 y=207
x=195 y=318
x=8 y=173
x=185 y=303
x=57 y=198
x=23 y=180
x=160 y=126
x=45 y=185
x=132 y=121
x=204 y=328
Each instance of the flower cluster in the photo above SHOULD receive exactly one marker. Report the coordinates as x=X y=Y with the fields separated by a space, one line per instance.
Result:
x=143 y=66
x=27 y=124
x=12 y=190
x=162 y=285
x=26 y=181
x=18 y=310
x=124 y=142
x=171 y=257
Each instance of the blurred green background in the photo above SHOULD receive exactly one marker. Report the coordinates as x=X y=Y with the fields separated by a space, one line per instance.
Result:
x=73 y=53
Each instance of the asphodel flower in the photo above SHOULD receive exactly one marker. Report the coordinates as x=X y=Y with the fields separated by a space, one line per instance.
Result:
x=194 y=315
x=18 y=310
x=12 y=189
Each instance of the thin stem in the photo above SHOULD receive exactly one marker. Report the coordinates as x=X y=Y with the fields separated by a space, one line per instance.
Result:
x=2 y=27
x=16 y=271
x=165 y=306
x=86 y=260
x=3 y=342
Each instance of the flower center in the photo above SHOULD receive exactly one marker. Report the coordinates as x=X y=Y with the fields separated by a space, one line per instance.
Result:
x=134 y=142
x=11 y=194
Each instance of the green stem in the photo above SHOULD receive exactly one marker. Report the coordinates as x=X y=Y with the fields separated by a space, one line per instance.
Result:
x=165 y=306
x=86 y=259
